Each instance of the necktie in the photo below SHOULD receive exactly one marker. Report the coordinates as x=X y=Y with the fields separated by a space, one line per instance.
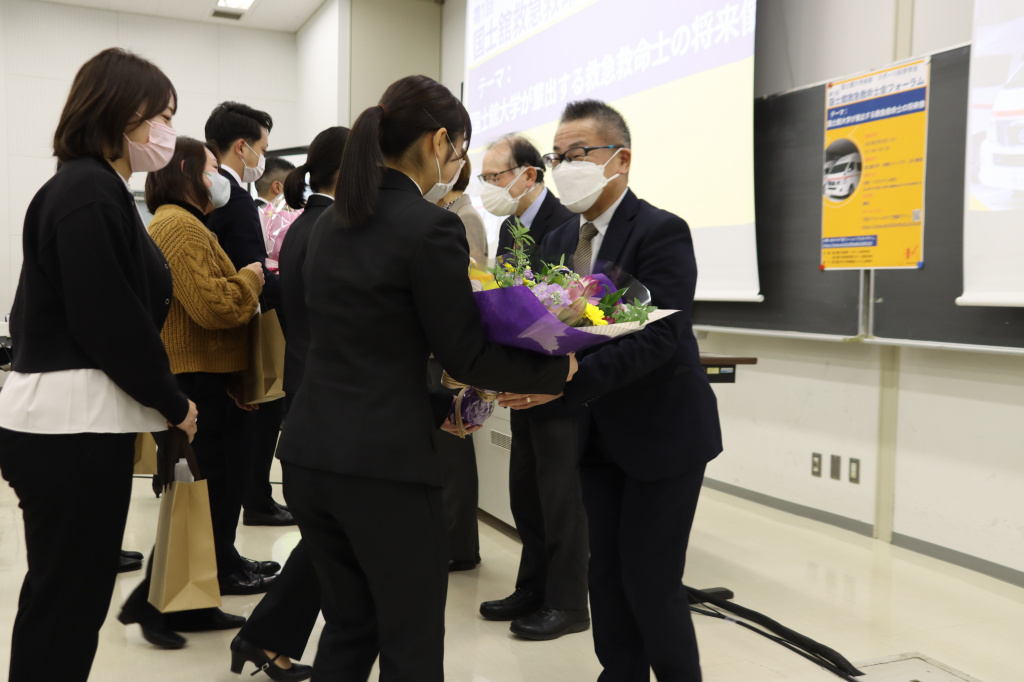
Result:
x=584 y=254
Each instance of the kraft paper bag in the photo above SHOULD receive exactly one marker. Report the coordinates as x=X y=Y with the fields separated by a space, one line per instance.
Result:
x=263 y=379
x=145 y=455
x=184 y=560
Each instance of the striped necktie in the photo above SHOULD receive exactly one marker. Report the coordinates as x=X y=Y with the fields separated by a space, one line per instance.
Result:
x=584 y=253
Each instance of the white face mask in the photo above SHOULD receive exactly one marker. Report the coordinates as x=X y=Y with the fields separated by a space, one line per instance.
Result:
x=498 y=200
x=441 y=188
x=253 y=174
x=580 y=183
x=220 y=190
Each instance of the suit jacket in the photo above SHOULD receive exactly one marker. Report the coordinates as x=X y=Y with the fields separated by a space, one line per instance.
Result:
x=383 y=295
x=237 y=226
x=649 y=398
x=293 y=291
x=551 y=214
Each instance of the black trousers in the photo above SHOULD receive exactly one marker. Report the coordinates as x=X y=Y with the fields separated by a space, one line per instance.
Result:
x=283 y=620
x=461 y=493
x=74 y=492
x=265 y=425
x=639 y=531
x=544 y=491
x=222 y=450
x=380 y=552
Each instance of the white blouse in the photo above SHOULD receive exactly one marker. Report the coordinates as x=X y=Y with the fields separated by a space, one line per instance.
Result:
x=73 y=401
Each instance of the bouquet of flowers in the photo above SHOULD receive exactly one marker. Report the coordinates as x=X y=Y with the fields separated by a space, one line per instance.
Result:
x=275 y=221
x=551 y=310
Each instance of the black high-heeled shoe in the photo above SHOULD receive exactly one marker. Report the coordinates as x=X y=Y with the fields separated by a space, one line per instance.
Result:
x=242 y=651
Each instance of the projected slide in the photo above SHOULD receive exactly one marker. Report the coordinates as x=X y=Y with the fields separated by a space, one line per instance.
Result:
x=994 y=202
x=682 y=73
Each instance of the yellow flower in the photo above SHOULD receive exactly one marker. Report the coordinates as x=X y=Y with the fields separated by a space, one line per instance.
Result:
x=594 y=314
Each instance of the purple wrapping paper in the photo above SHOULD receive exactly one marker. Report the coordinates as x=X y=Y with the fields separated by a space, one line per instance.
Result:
x=514 y=317
x=475 y=410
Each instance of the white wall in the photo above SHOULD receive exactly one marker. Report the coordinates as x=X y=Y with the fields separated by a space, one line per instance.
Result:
x=453 y=45
x=323 y=69
x=47 y=43
x=392 y=39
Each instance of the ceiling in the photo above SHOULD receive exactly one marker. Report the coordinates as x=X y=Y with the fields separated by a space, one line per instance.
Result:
x=275 y=15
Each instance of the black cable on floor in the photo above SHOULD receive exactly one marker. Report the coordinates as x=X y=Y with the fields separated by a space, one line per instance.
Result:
x=818 y=653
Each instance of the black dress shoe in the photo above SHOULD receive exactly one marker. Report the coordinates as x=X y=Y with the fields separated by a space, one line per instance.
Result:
x=203 y=620
x=261 y=567
x=242 y=651
x=245 y=582
x=278 y=516
x=551 y=624
x=131 y=555
x=157 y=635
x=127 y=564
x=520 y=603
x=463 y=565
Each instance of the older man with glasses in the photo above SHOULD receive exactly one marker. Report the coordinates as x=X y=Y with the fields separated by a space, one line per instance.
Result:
x=550 y=599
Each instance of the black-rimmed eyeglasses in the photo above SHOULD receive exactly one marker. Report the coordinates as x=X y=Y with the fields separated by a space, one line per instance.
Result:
x=575 y=154
x=491 y=178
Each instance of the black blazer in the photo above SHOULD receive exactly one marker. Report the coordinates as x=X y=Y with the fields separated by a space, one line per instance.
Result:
x=293 y=291
x=238 y=228
x=649 y=398
x=94 y=289
x=382 y=296
x=551 y=214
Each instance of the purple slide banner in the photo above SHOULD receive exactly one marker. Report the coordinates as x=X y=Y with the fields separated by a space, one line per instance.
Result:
x=608 y=50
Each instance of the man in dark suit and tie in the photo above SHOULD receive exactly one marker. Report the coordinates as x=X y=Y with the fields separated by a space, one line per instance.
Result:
x=239 y=136
x=651 y=419
x=550 y=598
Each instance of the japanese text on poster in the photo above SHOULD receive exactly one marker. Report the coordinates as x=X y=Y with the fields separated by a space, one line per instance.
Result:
x=874 y=167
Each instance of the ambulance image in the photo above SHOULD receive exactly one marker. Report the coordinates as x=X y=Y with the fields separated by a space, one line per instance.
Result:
x=1002 y=151
x=842 y=178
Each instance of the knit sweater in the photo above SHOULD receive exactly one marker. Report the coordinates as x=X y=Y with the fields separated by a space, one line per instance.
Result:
x=206 y=328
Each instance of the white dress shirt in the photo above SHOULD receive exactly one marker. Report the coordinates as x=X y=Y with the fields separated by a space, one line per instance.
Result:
x=601 y=223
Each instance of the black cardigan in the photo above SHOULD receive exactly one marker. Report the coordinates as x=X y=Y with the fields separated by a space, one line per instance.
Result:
x=94 y=289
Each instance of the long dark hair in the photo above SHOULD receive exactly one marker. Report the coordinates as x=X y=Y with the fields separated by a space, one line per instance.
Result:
x=322 y=163
x=111 y=91
x=409 y=108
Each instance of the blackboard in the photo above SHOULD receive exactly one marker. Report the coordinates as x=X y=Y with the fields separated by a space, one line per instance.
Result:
x=911 y=305
x=798 y=297
x=919 y=305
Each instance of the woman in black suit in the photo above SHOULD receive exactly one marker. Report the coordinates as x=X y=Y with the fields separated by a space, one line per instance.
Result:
x=89 y=368
x=386 y=285
x=279 y=628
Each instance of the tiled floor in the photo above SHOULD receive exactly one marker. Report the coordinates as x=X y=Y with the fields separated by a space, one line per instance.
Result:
x=866 y=599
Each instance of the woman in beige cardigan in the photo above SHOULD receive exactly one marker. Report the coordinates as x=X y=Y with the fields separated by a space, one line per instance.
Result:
x=458 y=202
x=206 y=340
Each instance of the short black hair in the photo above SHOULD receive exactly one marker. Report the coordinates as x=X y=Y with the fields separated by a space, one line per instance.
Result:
x=609 y=121
x=275 y=169
x=522 y=153
x=231 y=121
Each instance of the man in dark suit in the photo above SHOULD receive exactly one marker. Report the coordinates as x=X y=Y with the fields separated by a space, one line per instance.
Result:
x=651 y=421
x=550 y=598
x=239 y=137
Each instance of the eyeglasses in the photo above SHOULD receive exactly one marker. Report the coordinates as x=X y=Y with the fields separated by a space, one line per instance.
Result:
x=492 y=178
x=575 y=154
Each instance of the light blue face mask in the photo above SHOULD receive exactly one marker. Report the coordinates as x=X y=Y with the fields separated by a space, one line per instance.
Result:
x=220 y=190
